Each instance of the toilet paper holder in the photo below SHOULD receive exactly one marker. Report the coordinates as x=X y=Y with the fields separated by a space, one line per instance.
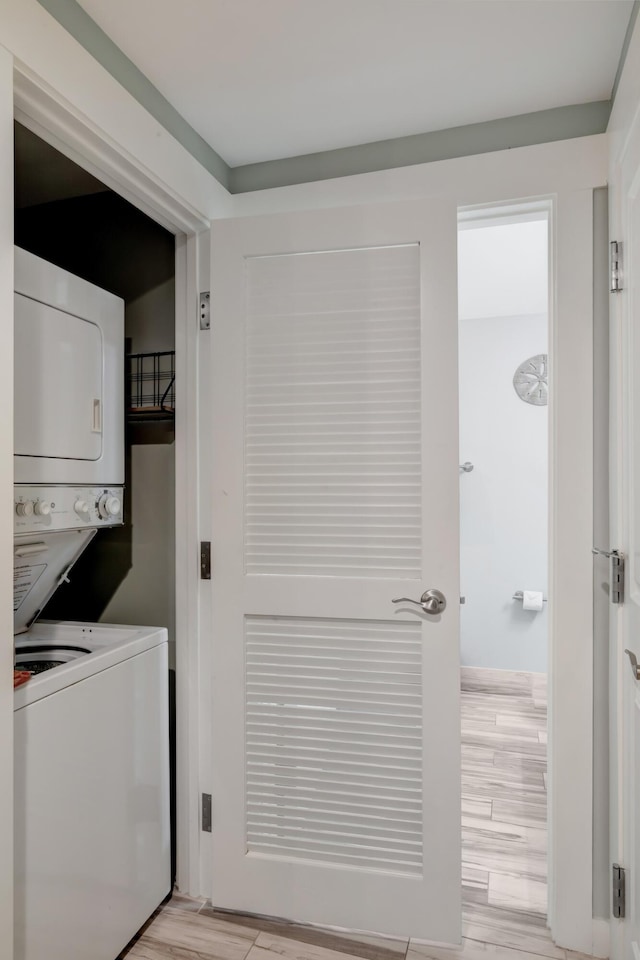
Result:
x=519 y=595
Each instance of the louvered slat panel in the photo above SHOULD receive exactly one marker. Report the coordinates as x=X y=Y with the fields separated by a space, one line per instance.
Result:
x=332 y=414
x=334 y=744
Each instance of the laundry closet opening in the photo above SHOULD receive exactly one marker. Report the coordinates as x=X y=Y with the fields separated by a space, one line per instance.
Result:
x=503 y=286
x=68 y=217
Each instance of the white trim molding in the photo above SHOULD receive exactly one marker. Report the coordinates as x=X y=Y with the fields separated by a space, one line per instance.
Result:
x=570 y=786
x=49 y=117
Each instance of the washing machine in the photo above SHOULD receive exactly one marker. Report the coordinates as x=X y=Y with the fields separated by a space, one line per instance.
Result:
x=92 y=829
x=92 y=818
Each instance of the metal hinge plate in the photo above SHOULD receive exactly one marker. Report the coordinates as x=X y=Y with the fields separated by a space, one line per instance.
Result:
x=204 y=310
x=615 y=248
x=206 y=812
x=205 y=560
x=616 y=573
x=619 y=891
x=617 y=577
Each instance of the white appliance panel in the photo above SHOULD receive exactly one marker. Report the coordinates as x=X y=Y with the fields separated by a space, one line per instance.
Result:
x=108 y=644
x=69 y=377
x=52 y=526
x=43 y=509
x=58 y=406
x=39 y=566
x=92 y=811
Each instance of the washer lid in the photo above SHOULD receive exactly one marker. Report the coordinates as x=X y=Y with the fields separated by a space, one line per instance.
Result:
x=41 y=563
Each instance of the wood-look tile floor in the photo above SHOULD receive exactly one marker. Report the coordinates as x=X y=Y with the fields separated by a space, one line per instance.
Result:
x=504 y=795
x=504 y=857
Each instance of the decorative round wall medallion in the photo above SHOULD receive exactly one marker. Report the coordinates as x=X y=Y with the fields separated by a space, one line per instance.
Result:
x=530 y=380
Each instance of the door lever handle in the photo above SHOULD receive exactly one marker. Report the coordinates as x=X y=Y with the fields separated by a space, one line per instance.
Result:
x=635 y=668
x=432 y=602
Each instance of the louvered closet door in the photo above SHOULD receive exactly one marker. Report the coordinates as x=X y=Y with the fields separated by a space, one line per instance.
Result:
x=336 y=795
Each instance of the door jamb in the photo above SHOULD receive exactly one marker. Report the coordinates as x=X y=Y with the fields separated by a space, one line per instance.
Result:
x=51 y=118
x=570 y=538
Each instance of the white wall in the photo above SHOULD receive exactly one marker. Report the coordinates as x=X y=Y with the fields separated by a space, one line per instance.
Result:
x=502 y=302
x=503 y=502
x=147 y=593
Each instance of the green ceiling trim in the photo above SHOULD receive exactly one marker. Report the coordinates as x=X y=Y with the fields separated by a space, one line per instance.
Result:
x=625 y=47
x=86 y=31
x=544 y=126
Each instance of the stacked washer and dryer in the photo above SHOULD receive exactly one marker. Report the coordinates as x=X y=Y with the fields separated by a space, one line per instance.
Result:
x=92 y=829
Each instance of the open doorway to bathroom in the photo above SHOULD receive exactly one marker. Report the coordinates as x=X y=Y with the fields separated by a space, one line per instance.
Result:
x=504 y=469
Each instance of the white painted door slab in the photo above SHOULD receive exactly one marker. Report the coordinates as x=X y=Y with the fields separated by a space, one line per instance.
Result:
x=335 y=491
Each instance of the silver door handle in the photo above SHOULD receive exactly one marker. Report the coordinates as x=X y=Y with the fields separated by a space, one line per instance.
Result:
x=635 y=668
x=466 y=467
x=432 y=602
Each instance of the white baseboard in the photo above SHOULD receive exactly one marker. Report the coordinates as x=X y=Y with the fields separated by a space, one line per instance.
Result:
x=600 y=938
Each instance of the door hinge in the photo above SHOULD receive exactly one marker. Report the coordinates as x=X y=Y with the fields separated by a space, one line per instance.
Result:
x=204 y=310
x=618 y=902
x=615 y=248
x=206 y=813
x=616 y=573
x=205 y=560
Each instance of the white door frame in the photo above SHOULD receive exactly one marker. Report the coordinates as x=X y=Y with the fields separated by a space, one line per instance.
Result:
x=571 y=581
x=570 y=539
x=624 y=184
x=571 y=170
x=38 y=108
x=565 y=747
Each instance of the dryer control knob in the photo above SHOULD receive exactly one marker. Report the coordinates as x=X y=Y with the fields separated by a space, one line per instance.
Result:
x=25 y=508
x=41 y=508
x=109 y=506
x=81 y=507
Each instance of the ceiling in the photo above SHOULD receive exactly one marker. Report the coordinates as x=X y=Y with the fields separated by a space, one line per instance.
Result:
x=266 y=79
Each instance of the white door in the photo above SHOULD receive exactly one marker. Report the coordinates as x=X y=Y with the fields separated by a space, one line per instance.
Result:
x=335 y=492
x=625 y=633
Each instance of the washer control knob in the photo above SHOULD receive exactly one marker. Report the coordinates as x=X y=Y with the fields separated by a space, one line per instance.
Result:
x=109 y=506
x=81 y=507
x=42 y=508
x=24 y=508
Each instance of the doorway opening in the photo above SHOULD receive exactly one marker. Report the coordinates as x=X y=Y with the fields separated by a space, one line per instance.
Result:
x=503 y=286
x=68 y=217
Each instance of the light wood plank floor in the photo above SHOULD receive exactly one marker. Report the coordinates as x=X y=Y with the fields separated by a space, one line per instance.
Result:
x=504 y=794
x=504 y=856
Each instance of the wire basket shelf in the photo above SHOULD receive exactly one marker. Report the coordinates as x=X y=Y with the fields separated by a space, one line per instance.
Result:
x=151 y=385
